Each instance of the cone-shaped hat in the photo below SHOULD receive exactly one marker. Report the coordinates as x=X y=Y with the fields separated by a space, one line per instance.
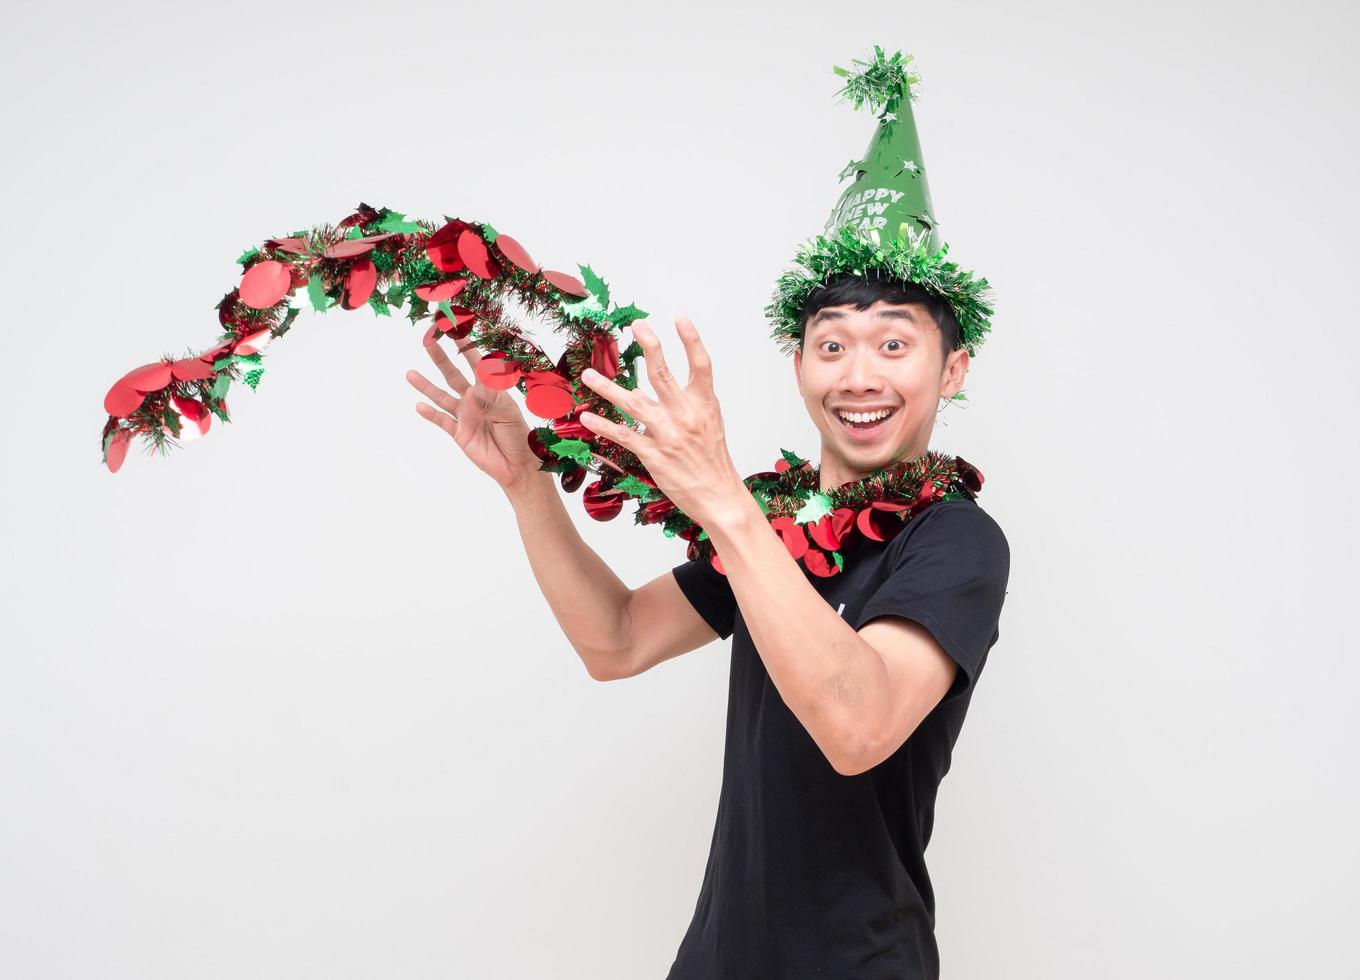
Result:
x=889 y=193
x=884 y=223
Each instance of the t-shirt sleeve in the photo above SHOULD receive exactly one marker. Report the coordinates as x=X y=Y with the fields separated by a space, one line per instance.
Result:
x=709 y=592
x=950 y=576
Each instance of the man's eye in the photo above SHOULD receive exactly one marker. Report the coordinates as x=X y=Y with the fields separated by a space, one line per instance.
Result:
x=828 y=344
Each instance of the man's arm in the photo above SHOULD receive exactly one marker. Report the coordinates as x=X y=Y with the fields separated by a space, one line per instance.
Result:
x=617 y=631
x=857 y=700
x=858 y=694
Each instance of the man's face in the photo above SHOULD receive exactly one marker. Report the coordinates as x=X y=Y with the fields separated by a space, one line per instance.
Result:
x=885 y=358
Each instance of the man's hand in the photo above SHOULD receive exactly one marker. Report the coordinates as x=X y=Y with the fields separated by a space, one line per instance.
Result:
x=486 y=424
x=684 y=446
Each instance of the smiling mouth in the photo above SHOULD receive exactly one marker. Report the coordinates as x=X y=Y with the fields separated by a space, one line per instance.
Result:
x=864 y=430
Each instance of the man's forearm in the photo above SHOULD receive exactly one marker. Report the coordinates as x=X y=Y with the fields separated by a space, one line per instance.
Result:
x=834 y=682
x=588 y=599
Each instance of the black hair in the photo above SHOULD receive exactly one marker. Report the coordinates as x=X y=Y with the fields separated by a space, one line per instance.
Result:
x=846 y=289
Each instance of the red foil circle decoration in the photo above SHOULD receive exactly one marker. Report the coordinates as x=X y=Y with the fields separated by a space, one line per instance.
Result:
x=604 y=355
x=192 y=369
x=970 y=474
x=570 y=427
x=294 y=246
x=441 y=291
x=830 y=530
x=353 y=247
x=251 y=343
x=875 y=524
x=192 y=413
x=655 y=512
x=498 y=372
x=602 y=505
x=442 y=248
x=472 y=250
x=360 y=283
x=515 y=252
x=265 y=283
x=539 y=450
x=925 y=498
x=463 y=321
x=548 y=401
x=122 y=400
x=149 y=377
x=820 y=564
x=567 y=283
x=792 y=534
x=118 y=447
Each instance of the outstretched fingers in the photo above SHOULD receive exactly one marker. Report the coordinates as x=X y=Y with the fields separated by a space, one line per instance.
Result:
x=448 y=369
x=658 y=371
x=700 y=364
x=434 y=393
x=629 y=439
x=442 y=419
x=447 y=419
x=470 y=351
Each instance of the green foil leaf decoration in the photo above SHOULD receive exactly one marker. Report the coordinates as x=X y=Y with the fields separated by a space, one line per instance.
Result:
x=634 y=487
x=596 y=286
x=396 y=221
x=574 y=449
x=818 y=506
x=316 y=292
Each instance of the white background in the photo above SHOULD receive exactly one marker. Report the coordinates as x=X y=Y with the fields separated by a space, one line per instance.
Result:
x=288 y=704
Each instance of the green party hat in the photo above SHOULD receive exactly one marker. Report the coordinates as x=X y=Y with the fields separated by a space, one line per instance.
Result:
x=884 y=223
x=890 y=196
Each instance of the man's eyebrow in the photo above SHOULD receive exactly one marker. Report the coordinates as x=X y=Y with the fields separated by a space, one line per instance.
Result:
x=890 y=314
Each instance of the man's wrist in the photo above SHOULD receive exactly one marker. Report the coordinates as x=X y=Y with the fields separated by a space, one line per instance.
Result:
x=739 y=514
x=530 y=490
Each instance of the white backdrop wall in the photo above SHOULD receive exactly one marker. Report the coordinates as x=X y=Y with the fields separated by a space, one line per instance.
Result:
x=288 y=704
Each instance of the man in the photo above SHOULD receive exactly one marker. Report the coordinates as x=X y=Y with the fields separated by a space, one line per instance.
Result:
x=846 y=692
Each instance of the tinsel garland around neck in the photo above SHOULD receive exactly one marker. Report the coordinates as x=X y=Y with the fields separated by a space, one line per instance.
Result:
x=459 y=275
x=821 y=527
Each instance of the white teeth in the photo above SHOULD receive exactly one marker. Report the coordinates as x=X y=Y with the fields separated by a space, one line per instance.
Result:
x=865 y=416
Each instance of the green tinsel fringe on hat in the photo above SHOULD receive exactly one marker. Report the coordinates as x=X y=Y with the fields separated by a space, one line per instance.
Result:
x=910 y=260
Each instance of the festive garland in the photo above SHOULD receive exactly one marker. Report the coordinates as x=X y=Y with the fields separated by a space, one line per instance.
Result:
x=460 y=275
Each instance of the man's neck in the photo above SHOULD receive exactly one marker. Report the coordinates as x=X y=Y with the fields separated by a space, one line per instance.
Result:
x=835 y=472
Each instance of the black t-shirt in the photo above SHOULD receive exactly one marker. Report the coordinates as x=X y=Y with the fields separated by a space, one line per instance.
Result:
x=816 y=874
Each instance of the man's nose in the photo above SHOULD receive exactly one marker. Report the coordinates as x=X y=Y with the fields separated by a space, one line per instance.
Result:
x=861 y=373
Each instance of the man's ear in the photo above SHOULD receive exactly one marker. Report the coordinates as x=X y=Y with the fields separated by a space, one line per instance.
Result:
x=798 y=367
x=955 y=370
